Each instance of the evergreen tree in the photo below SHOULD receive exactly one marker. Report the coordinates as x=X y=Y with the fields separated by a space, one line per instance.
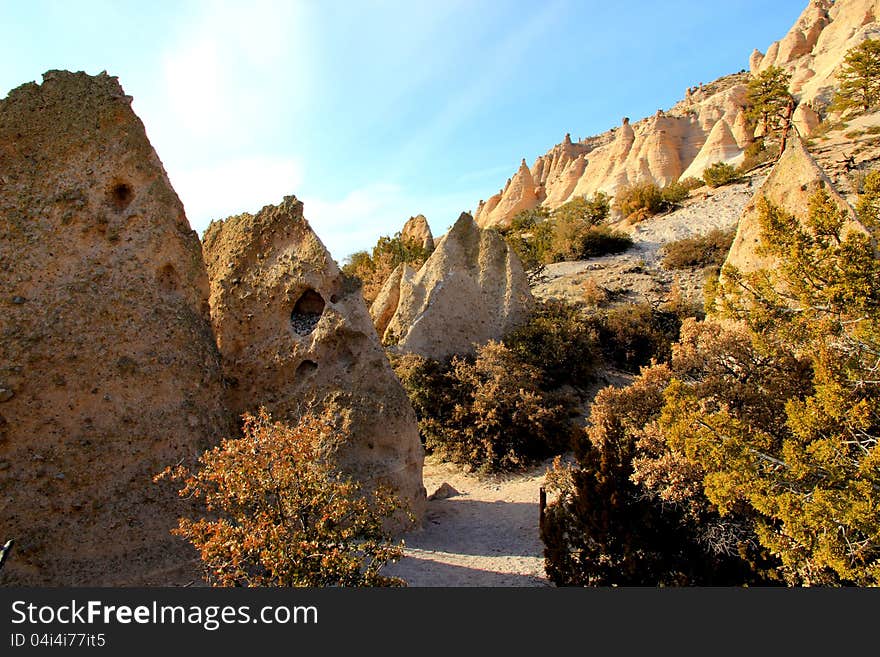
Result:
x=859 y=78
x=767 y=98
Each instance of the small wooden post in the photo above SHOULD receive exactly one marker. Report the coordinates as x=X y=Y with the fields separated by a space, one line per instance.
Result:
x=542 y=503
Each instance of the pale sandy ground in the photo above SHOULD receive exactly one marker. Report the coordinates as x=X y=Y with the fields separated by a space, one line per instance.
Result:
x=487 y=536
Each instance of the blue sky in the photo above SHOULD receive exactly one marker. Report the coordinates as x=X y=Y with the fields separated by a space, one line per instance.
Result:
x=373 y=111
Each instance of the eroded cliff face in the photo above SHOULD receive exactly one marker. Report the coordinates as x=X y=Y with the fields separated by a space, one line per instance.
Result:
x=471 y=290
x=295 y=334
x=708 y=126
x=108 y=366
x=814 y=48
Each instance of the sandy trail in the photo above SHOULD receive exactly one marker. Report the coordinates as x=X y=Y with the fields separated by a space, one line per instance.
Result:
x=486 y=536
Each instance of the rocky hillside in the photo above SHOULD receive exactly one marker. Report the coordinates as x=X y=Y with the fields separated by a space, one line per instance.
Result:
x=707 y=126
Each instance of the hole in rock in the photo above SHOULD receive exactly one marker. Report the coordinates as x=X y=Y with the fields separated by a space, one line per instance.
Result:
x=306 y=312
x=167 y=279
x=121 y=195
x=306 y=367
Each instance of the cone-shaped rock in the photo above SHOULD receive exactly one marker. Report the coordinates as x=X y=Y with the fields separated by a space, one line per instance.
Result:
x=417 y=230
x=471 y=290
x=721 y=146
x=792 y=181
x=519 y=194
x=293 y=331
x=107 y=361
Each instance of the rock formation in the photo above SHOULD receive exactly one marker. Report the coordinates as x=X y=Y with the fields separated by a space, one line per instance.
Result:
x=690 y=136
x=721 y=146
x=519 y=194
x=814 y=48
x=294 y=332
x=471 y=290
x=108 y=367
x=385 y=303
x=659 y=149
x=792 y=181
x=417 y=230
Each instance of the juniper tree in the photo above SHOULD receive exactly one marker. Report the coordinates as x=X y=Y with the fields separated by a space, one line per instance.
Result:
x=767 y=98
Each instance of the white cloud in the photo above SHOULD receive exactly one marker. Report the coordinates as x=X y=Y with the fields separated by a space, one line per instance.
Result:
x=232 y=186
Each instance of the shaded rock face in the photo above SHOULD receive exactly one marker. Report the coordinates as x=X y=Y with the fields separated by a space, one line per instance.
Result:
x=793 y=180
x=106 y=355
x=417 y=230
x=471 y=290
x=295 y=333
x=721 y=146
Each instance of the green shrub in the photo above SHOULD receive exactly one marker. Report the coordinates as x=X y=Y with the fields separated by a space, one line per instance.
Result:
x=709 y=250
x=488 y=412
x=572 y=232
x=632 y=335
x=673 y=194
x=557 y=341
x=720 y=174
x=756 y=154
x=592 y=211
x=691 y=183
x=631 y=512
x=637 y=202
x=577 y=241
x=599 y=529
x=529 y=235
x=527 y=219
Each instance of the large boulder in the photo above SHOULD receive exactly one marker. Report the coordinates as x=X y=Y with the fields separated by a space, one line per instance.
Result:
x=471 y=290
x=294 y=334
x=108 y=367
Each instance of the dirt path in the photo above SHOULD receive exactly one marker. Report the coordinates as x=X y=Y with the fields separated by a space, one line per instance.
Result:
x=485 y=536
